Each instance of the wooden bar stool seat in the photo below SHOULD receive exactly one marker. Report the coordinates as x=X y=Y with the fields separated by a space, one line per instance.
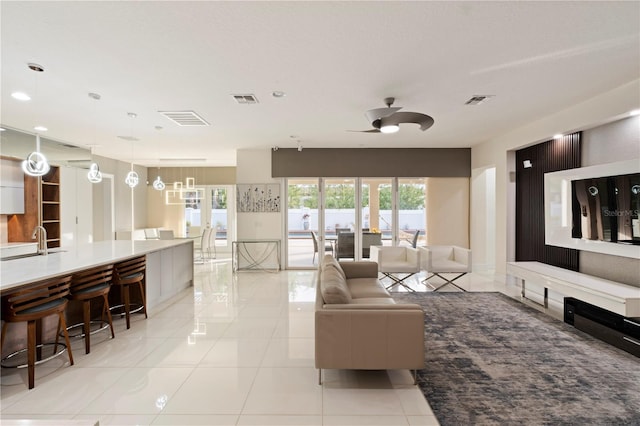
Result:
x=87 y=285
x=31 y=305
x=127 y=274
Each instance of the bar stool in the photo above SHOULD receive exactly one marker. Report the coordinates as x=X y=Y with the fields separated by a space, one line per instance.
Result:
x=87 y=285
x=130 y=273
x=33 y=304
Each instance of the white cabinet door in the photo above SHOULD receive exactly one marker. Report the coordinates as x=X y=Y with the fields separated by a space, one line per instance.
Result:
x=76 y=207
x=11 y=187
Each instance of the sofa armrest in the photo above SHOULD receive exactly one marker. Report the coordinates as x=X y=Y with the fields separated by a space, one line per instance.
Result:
x=360 y=269
x=413 y=256
x=462 y=255
x=426 y=259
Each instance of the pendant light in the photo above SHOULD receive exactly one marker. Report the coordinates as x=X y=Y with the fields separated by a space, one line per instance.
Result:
x=94 y=175
x=132 y=178
x=158 y=184
x=36 y=163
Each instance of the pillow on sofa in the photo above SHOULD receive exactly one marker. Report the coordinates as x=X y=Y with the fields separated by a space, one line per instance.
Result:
x=330 y=262
x=333 y=287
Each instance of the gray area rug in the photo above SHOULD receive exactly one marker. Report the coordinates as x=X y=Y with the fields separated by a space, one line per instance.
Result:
x=493 y=360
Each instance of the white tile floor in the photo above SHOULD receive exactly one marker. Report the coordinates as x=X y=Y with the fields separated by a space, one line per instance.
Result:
x=236 y=349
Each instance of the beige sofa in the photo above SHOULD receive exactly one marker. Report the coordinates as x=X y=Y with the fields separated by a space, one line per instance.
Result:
x=359 y=326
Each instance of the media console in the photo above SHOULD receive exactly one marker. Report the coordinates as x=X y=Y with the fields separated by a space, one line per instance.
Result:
x=615 y=329
x=605 y=309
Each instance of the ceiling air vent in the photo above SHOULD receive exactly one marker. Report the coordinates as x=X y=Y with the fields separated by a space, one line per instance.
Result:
x=185 y=118
x=478 y=99
x=245 y=99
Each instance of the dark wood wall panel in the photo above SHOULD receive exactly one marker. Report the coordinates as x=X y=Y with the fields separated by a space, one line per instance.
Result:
x=551 y=156
x=371 y=162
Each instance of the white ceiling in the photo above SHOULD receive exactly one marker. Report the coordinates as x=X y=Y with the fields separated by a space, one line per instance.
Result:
x=334 y=60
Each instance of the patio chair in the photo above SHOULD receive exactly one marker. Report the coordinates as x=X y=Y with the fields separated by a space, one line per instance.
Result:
x=344 y=246
x=327 y=246
x=370 y=239
x=413 y=240
x=393 y=261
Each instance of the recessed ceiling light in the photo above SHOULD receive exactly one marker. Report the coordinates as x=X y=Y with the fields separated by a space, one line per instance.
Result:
x=94 y=96
x=558 y=136
x=278 y=94
x=2 y=129
x=40 y=128
x=20 y=96
x=634 y=112
x=132 y=114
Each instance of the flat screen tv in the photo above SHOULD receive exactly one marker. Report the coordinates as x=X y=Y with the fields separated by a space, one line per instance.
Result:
x=606 y=209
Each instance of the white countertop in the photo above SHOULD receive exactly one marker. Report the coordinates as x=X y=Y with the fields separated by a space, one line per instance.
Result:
x=17 y=272
x=18 y=244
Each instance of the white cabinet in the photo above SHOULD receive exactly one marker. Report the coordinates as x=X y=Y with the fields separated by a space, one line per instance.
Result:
x=76 y=207
x=169 y=271
x=11 y=187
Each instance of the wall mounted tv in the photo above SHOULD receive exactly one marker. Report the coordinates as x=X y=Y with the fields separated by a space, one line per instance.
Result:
x=607 y=208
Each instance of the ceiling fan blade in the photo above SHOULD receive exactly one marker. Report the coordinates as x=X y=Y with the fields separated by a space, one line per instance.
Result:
x=423 y=120
x=378 y=113
x=365 y=131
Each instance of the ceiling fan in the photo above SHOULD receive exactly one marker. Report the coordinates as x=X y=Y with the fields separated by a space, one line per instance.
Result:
x=388 y=120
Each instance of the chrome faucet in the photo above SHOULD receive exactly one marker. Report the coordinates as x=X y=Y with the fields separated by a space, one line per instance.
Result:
x=42 y=242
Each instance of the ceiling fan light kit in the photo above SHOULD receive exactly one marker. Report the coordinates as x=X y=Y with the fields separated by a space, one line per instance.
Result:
x=389 y=128
x=388 y=120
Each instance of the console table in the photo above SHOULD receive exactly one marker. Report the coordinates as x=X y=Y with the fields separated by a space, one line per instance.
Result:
x=255 y=254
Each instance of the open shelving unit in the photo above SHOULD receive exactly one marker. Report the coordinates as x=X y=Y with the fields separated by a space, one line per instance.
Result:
x=41 y=207
x=50 y=206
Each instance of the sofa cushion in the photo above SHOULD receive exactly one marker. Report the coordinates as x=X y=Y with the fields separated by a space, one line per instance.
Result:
x=366 y=287
x=331 y=262
x=334 y=287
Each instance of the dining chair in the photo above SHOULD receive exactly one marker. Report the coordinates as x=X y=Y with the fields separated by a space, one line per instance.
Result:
x=327 y=246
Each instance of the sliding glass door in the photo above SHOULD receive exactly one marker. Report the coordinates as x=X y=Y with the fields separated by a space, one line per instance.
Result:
x=340 y=217
x=303 y=228
x=376 y=201
x=412 y=218
x=346 y=216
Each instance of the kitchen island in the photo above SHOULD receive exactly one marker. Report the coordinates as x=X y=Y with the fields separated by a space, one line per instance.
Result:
x=169 y=265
